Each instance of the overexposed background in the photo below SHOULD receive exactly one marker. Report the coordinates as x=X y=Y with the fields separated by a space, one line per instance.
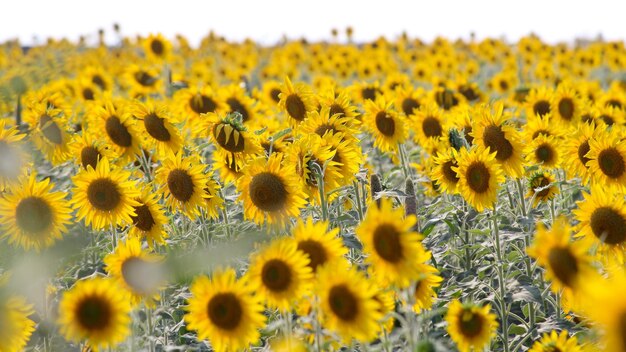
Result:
x=268 y=20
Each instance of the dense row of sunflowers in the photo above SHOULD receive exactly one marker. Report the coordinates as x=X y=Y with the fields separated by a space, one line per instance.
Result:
x=398 y=194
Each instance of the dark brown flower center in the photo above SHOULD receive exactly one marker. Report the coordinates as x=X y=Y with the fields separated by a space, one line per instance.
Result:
x=275 y=95
x=608 y=225
x=564 y=265
x=155 y=126
x=228 y=142
x=145 y=79
x=117 y=132
x=609 y=120
x=322 y=129
x=566 y=108
x=544 y=153
x=180 y=185
x=268 y=192
x=33 y=215
x=387 y=243
x=431 y=127
x=369 y=93
x=448 y=173
x=583 y=149
x=201 y=104
x=471 y=324
x=103 y=194
x=541 y=132
x=495 y=139
x=99 y=81
x=611 y=162
x=143 y=220
x=337 y=109
x=276 y=275
x=315 y=251
x=225 y=311
x=541 y=107
x=89 y=156
x=236 y=106
x=295 y=107
x=478 y=176
x=385 y=124
x=343 y=303
x=408 y=105
x=50 y=130
x=157 y=47
x=94 y=313
x=88 y=93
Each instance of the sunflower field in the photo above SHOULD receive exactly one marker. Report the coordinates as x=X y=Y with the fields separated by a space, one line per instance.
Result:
x=392 y=195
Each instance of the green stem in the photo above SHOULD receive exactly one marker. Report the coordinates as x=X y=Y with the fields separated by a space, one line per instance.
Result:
x=403 y=161
x=225 y=214
x=357 y=195
x=503 y=311
x=150 y=329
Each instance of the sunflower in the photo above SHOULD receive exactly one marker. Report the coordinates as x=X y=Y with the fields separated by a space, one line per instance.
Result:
x=296 y=100
x=442 y=172
x=602 y=217
x=88 y=151
x=566 y=106
x=281 y=273
x=347 y=301
x=229 y=134
x=271 y=192
x=303 y=153
x=270 y=93
x=428 y=124
x=47 y=129
x=159 y=130
x=383 y=122
x=142 y=80
x=393 y=248
x=348 y=156
x=157 y=48
x=543 y=125
x=182 y=181
x=556 y=341
x=470 y=326
x=408 y=99
x=424 y=288
x=318 y=243
x=98 y=76
x=492 y=131
x=544 y=151
x=14 y=161
x=362 y=92
x=104 y=196
x=136 y=271
x=337 y=102
x=479 y=177
x=32 y=215
x=150 y=219
x=539 y=102
x=323 y=122
x=575 y=151
x=237 y=100
x=225 y=310
x=16 y=326
x=541 y=187
x=607 y=160
x=213 y=202
x=110 y=122
x=566 y=262
x=193 y=102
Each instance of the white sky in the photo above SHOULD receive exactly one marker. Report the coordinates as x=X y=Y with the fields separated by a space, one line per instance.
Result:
x=268 y=20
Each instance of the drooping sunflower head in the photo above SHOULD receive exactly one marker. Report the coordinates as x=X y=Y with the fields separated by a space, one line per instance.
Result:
x=281 y=273
x=229 y=134
x=470 y=326
x=479 y=177
x=104 y=196
x=225 y=310
x=602 y=219
x=567 y=262
x=95 y=310
x=229 y=165
x=271 y=191
x=394 y=250
x=424 y=288
x=137 y=271
x=541 y=187
x=296 y=100
x=32 y=215
x=347 y=302
x=318 y=243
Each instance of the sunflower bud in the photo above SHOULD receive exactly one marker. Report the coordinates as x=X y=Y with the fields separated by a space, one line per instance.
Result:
x=375 y=187
x=410 y=202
